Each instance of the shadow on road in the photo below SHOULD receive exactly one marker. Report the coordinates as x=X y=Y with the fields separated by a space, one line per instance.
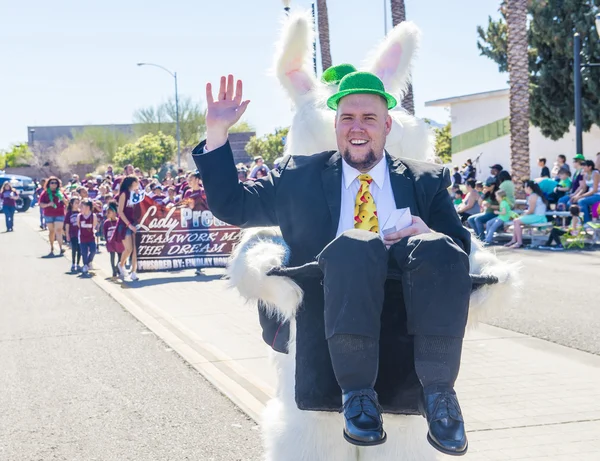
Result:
x=161 y=280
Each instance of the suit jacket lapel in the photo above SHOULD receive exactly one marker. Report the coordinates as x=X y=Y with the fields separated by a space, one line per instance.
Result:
x=402 y=183
x=331 y=177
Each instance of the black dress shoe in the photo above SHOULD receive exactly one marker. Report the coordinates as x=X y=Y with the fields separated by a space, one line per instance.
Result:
x=446 y=425
x=362 y=414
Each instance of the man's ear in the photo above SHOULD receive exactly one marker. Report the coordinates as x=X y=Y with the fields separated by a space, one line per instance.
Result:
x=388 y=124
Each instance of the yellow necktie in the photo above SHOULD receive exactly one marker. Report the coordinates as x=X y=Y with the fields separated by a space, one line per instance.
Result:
x=365 y=211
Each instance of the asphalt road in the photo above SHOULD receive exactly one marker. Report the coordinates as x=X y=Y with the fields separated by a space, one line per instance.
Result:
x=81 y=379
x=560 y=299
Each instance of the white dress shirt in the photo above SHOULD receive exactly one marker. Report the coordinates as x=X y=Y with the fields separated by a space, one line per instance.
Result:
x=380 y=188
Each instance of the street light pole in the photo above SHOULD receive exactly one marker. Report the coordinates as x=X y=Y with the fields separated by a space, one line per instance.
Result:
x=577 y=83
x=577 y=93
x=174 y=75
x=177 y=122
x=385 y=21
x=315 y=40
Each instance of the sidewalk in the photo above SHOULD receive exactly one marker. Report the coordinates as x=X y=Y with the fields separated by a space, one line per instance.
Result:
x=523 y=398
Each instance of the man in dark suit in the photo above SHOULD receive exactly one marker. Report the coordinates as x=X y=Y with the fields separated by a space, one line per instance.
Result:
x=330 y=208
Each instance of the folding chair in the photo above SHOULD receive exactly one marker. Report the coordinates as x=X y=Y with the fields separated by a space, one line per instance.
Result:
x=574 y=241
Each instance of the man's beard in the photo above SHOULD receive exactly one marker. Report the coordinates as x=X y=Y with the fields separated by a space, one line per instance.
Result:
x=368 y=162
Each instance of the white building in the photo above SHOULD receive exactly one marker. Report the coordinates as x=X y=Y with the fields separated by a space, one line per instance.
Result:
x=481 y=132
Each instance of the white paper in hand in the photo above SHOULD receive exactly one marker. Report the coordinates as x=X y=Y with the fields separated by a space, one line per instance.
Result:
x=398 y=220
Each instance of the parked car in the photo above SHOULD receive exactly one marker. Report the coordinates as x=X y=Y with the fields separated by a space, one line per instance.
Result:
x=24 y=185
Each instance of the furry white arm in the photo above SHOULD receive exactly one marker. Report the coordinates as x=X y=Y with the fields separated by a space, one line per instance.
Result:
x=259 y=251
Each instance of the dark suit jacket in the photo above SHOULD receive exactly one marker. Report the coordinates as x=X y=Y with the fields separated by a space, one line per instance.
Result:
x=303 y=198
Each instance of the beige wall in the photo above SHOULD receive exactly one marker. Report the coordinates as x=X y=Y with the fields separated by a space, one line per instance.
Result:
x=469 y=115
x=498 y=150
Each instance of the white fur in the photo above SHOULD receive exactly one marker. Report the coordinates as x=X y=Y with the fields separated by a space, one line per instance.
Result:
x=491 y=299
x=293 y=435
x=254 y=256
x=258 y=252
x=289 y=433
x=294 y=55
x=410 y=137
x=312 y=128
x=392 y=59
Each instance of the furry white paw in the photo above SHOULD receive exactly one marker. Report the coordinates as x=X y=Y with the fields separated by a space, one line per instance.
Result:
x=259 y=251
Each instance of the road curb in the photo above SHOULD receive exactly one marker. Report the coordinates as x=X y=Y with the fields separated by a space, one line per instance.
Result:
x=214 y=365
x=198 y=356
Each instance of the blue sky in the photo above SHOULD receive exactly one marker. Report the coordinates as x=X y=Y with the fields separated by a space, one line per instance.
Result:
x=70 y=62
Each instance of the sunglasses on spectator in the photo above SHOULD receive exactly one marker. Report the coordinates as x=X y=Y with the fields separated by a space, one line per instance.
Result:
x=53 y=182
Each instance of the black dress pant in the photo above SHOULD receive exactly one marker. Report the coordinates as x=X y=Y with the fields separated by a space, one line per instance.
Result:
x=435 y=282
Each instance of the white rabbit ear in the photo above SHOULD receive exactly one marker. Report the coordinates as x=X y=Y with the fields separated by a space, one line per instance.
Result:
x=392 y=59
x=294 y=55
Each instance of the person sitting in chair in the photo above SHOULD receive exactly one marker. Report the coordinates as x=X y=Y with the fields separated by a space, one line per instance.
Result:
x=331 y=207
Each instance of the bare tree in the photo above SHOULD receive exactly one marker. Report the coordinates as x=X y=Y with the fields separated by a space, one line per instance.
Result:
x=192 y=120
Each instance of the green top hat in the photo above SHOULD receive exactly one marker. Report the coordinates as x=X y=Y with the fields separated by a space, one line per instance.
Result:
x=334 y=74
x=579 y=157
x=361 y=83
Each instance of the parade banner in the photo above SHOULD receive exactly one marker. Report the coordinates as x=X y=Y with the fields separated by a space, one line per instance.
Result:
x=183 y=236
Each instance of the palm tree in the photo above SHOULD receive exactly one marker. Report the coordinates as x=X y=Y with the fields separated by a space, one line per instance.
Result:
x=518 y=69
x=399 y=15
x=323 y=19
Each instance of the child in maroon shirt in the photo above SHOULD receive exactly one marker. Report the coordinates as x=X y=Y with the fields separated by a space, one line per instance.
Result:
x=87 y=222
x=113 y=247
x=128 y=210
x=72 y=233
x=171 y=199
x=159 y=196
x=195 y=196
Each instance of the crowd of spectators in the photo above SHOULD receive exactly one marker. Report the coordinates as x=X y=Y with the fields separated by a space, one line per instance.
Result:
x=487 y=207
x=90 y=208
x=82 y=212
x=566 y=195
